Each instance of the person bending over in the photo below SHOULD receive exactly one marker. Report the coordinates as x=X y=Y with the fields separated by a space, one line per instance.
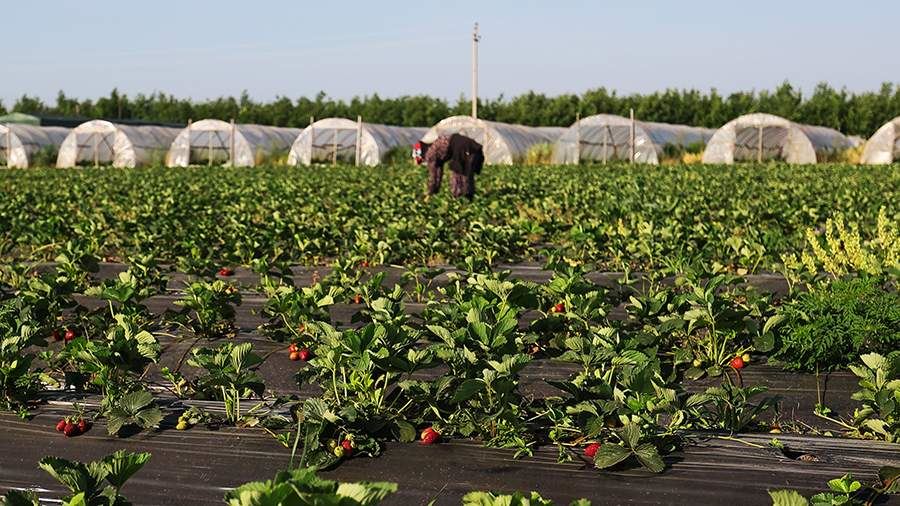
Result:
x=466 y=157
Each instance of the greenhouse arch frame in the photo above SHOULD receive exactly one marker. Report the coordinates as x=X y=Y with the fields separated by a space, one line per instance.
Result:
x=760 y=137
x=884 y=145
x=100 y=142
x=334 y=139
x=234 y=144
x=607 y=137
x=20 y=142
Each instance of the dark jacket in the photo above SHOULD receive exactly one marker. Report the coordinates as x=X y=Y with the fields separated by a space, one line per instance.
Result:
x=465 y=155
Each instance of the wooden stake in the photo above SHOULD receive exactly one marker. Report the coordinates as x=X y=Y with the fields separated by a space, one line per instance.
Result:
x=632 y=134
x=189 y=142
x=231 y=144
x=759 y=133
x=96 y=149
x=607 y=135
x=334 y=147
x=577 y=138
x=209 y=148
x=9 y=147
x=358 y=139
x=312 y=138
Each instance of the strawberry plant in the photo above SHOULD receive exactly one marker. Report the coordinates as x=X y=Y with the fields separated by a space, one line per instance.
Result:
x=515 y=499
x=134 y=410
x=422 y=279
x=708 y=322
x=844 y=491
x=359 y=372
x=86 y=481
x=620 y=383
x=729 y=407
x=48 y=294
x=78 y=258
x=129 y=289
x=632 y=445
x=19 y=332
x=228 y=375
x=302 y=486
x=112 y=364
x=571 y=304
x=290 y=309
x=879 y=415
x=480 y=345
x=210 y=307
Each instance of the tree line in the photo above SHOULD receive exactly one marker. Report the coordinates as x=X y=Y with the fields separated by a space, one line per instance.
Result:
x=854 y=113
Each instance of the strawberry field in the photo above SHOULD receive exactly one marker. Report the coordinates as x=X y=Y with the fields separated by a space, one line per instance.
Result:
x=612 y=333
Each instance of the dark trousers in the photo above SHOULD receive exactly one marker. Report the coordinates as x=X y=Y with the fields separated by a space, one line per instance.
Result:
x=461 y=184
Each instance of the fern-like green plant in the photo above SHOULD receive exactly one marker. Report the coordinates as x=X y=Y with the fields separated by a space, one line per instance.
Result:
x=830 y=326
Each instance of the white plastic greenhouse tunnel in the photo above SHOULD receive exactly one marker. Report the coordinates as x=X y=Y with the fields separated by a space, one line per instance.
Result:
x=760 y=137
x=333 y=140
x=884 y=146
x=214 y=142
x=100 y=142
x=504 y=143
x=607 y=137
x=21 y=143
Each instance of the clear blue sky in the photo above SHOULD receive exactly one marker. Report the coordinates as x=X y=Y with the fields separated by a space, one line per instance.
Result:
x=204 y=49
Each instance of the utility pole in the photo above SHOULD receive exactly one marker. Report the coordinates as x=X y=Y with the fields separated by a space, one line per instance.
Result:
x=475 y=38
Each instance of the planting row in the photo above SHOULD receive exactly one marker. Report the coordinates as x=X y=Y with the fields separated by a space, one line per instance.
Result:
x=623 y=402
x=216 y=461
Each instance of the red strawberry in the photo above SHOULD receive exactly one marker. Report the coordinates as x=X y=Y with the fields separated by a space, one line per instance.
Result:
x=70 y=429
x=591 y=450
x=70 y=335
x=429 y=436
x=559 y=308
x=364 y=264
x=226 y=271
x=737 y=363
x=294 y=356
x=56 y=335
x=61 y=425
x=347 y=445
x=304 y=354
x=293 y=348
x=83 y=426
